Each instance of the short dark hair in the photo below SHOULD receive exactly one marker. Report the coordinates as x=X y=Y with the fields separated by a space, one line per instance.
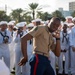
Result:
x=57 y=18
x=49 y=18
x=38 y=23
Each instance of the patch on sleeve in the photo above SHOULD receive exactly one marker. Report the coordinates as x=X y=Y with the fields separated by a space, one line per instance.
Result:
x=36 y=28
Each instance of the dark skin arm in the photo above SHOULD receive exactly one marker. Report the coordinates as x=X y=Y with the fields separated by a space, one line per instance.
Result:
x=24 y=48
x=57 y=49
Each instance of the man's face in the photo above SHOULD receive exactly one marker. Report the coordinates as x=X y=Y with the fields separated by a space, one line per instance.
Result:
x=21 y=28
x=65 y=27
x=11 y=26
x=54 y=25
x=69 y=20
x=3 y=27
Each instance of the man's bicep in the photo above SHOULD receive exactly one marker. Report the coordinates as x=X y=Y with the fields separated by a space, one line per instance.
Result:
x=27 y=37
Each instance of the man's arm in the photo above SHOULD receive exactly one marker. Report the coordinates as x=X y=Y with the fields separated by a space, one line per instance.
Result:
x=24 y=44
x=57 y=50
x=24 y=48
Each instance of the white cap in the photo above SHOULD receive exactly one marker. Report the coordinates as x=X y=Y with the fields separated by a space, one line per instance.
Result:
x=36 y=20
x=10 y=23
x=69 y=17
x=20 y=24
x=24 y=23
x=13 y=21
x=73 y=19
x=30 y=25
x=3 y=22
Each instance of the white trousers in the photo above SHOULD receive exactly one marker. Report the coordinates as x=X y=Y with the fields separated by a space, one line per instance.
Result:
x=5 y=54
x=12 y=55
x=60 y=62
x=53 y=61
x=4 y=70
x=18 y=57
x=72 y=61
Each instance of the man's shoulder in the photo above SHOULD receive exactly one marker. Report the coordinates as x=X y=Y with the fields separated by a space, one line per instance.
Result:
x=41 y=26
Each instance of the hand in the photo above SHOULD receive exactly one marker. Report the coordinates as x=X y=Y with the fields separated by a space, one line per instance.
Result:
x=22 y=62
x=6 y=41
x=18 y=31
x=73 y=48
x=56 y=34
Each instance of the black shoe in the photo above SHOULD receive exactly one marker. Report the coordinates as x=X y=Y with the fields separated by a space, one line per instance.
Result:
x=13 y=71
x=60 y=74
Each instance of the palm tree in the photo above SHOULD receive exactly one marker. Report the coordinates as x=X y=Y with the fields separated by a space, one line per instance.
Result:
x=17 y=14
x=4 y=16
x=58 y=14
x=34 y=7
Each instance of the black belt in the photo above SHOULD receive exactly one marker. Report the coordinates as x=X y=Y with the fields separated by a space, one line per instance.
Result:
x=63 y=50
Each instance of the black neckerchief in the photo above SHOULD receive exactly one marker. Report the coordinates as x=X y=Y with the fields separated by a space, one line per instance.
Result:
x=64 y=37
x=4 y=35
x=30 y=41
x=12 y=33
x=21 y=34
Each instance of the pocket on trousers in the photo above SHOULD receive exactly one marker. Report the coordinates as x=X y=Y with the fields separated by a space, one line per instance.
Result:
x=32 y=60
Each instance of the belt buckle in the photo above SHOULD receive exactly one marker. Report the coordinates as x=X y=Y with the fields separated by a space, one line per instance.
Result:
x=42 y=54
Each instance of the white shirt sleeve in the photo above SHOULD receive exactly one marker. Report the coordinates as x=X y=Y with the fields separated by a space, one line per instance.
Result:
x=71 y=38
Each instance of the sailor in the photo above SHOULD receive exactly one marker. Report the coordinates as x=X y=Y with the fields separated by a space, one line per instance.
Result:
x=72 y=45
x=11 y=46
x=64 y=42
x=18 y=54
x=29 y=50
x=69 y=19
x=5 y=40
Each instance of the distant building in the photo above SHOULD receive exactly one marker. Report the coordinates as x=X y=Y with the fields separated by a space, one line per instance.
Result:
x=2 y=9
x=72 y=6
x=65 y=12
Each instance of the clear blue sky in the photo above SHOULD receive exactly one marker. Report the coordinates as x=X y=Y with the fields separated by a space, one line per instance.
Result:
x=48 y=5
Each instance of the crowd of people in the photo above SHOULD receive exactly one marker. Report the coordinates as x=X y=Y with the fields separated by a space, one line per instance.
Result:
x=26 y=44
